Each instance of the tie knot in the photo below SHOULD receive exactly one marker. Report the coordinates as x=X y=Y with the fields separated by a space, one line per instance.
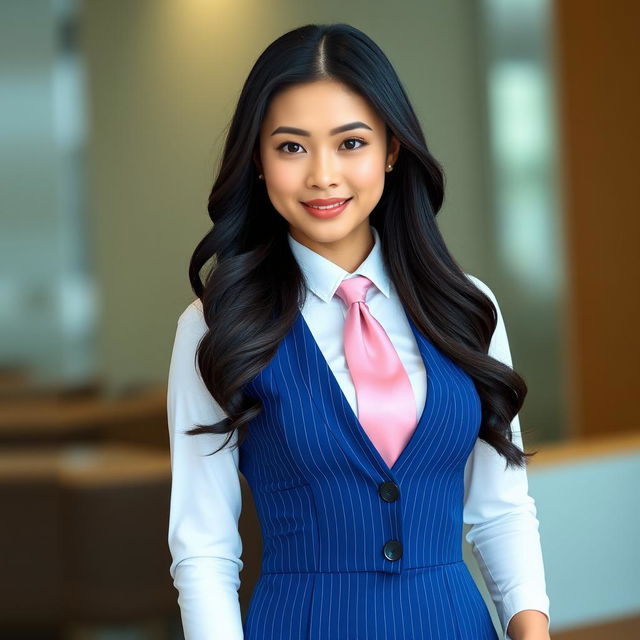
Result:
x=353 y=289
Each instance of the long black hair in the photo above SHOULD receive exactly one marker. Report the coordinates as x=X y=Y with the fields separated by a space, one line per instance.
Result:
x=248 y=242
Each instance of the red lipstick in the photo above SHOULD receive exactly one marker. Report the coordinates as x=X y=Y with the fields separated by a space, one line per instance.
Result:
x=331 y=209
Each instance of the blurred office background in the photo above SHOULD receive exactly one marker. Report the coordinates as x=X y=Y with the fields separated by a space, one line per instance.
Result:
x=112 y=118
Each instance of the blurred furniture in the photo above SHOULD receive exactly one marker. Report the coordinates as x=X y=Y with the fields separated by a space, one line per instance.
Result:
x=84 y=495
x=84 y=414
x=85 y=536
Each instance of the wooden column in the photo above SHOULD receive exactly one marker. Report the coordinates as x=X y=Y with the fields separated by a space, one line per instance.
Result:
x=599 y=120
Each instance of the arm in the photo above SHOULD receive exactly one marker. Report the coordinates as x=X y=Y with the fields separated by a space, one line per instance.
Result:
x=504 y=532
x=205 y=502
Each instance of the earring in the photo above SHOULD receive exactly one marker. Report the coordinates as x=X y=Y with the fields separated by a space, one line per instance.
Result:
x=389 y=167
x=261 y=176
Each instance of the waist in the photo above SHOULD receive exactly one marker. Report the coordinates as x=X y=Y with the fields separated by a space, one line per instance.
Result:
x=402 y=570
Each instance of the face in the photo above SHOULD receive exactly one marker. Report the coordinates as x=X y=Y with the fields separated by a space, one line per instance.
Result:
x=315 y=162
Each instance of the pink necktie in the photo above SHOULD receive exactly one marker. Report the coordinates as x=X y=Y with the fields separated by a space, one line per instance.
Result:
x=386 y=403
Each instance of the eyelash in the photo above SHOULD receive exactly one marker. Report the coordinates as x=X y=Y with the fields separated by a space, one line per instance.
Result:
x=284 y=144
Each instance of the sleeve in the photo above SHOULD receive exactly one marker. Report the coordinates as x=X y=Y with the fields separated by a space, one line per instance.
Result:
x=504 y=533
x=205 y=501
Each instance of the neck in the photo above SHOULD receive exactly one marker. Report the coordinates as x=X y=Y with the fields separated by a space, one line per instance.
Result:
x=348 y=252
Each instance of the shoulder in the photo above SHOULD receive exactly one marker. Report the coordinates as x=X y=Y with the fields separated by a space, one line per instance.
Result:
x=193 y=314
x=191 y=326
x=483 y=287
x=499 y=345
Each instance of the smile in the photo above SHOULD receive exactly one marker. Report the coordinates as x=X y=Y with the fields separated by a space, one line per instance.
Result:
x=328 y=206
x=326 y=211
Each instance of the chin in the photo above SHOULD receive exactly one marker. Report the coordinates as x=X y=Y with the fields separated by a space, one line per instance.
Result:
x=327 y=231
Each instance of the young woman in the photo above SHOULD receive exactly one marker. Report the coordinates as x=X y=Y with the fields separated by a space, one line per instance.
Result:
x=339 y=357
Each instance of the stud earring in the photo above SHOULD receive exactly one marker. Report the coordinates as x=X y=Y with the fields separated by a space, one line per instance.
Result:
x=389 y=167
x=261 y=176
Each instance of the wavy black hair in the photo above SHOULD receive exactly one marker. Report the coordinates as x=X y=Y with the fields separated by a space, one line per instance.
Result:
x=248 y=242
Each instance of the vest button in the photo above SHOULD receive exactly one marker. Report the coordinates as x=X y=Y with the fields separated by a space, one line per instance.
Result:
x=392 y=550
x=389 y=491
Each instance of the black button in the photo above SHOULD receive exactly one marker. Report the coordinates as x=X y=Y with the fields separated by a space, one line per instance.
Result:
x=389 y=491
x=392 y=550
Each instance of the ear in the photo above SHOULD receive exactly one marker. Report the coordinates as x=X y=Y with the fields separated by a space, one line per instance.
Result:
x=394 y=145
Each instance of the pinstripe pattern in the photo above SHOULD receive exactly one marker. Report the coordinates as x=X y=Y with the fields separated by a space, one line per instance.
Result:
x=315 y=475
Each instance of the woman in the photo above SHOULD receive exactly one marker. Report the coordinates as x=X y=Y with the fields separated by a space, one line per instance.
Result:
x=339 y=358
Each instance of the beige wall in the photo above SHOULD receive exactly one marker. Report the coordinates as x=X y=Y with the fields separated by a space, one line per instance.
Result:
x=163 y=80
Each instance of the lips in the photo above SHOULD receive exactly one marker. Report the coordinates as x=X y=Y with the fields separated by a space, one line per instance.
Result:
x=327 y=212
x=324 y=202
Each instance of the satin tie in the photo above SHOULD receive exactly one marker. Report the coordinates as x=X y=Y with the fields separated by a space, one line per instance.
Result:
x=385 y=398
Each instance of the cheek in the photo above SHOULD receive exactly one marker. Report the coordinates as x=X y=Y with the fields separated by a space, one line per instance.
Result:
x=283 y=180
x=367 y=172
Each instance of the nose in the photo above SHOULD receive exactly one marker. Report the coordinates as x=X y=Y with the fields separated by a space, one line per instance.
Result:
x=322 y=170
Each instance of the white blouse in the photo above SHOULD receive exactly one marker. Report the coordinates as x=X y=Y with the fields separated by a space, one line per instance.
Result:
x=205 y=492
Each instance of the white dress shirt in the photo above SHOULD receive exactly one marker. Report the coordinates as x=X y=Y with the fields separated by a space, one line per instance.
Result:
x=205 y=493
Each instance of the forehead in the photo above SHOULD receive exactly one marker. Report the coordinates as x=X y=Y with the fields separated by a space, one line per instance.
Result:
x=317 y=107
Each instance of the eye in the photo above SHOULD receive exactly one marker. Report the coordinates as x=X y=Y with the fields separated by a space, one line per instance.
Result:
x=362 y=143
x=286 y=144
x=296 y=144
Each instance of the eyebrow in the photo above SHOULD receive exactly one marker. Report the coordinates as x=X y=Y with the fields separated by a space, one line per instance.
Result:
x=332 y=132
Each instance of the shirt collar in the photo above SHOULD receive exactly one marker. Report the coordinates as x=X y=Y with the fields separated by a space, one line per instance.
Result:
x=323 y=277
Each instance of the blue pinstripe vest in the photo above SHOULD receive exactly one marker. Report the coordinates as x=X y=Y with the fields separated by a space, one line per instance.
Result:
x=335 y=519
